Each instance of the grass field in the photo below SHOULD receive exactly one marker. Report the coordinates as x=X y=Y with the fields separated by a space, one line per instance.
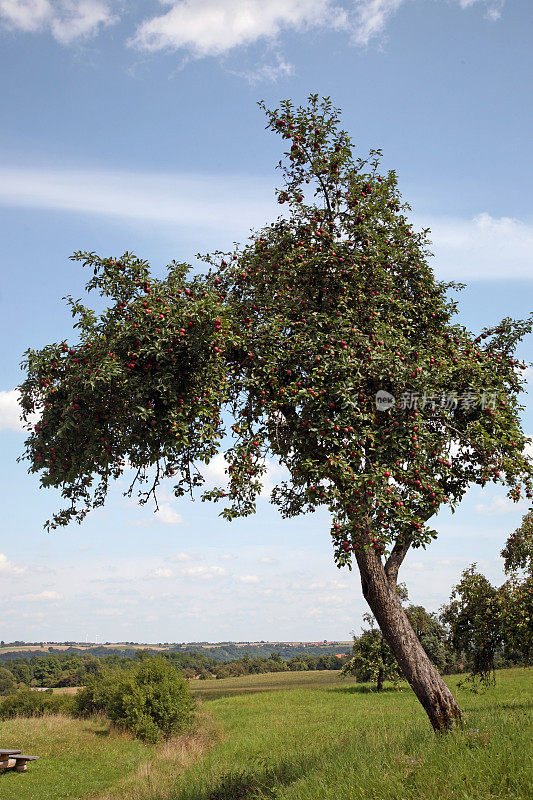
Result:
x=293 y=736
x=76 y=757
x=269 y=682
x=345 y=742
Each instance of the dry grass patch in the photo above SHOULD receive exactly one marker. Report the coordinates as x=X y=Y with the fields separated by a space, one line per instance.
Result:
x=167 y=762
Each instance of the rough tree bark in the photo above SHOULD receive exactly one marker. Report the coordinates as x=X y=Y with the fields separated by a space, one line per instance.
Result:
x=379 y=590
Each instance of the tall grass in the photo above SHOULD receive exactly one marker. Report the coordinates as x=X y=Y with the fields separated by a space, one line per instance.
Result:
x=347 y=742
x=276 y=739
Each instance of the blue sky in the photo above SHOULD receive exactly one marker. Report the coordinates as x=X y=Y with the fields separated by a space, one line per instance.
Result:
x=134 y=126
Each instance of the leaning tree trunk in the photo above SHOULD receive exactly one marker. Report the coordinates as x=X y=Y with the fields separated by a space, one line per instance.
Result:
x=380 y=593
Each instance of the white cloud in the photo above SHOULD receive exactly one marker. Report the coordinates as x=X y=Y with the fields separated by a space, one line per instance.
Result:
x=8 y=568
x=25 y=15
x=248 y=579
x=498 y=505
x=203 y=572
x=332 y=599
x=215 y=474
x=494 y=7
x=372 y=16
x=45 y=596
x=213 y=27
x=10 y=411
x=168 y=515
x=182 y=557
x=161 y=573
x=481 y=248
x=67 y=20
x=109 y=612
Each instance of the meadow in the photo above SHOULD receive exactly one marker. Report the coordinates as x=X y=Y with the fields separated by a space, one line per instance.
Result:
x=293 y=737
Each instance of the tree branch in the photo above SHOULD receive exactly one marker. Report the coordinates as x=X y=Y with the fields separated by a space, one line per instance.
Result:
x=394 y=561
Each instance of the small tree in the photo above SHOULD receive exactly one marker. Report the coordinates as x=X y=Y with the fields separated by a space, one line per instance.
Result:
x=484 y=620
x=372 y=658
x=334 y=350
x=473 y=615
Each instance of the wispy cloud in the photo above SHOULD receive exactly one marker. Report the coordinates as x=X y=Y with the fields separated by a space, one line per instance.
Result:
x=498 y=505
x=181 y=557
x=493 y=7
x=204 y=572
x=248 y=579
x=168 y=515
x=371 y=18
x=8 y=568
x=66 y=20
x=480 y=248
x=44 y=596
x=161 y=572
x=201 y=201
x=269 y=72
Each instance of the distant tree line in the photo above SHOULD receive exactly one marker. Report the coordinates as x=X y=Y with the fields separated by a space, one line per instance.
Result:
x=60 y=669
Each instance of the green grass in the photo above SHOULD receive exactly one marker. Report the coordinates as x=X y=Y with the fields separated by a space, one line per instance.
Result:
x=347 y=743
x=295 y=736
x=76 y=757
x=268 y=682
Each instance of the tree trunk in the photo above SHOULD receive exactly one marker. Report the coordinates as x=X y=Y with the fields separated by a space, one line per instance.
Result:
x=439 y=703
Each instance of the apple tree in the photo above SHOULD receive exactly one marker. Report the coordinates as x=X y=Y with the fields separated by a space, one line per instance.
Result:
x=327 y=343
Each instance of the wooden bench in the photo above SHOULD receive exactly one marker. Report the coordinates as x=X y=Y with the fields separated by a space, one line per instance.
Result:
x=13 y=759
x=5 y=754
x=21 y=762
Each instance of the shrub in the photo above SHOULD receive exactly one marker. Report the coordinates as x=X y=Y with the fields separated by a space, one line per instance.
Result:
x=7 y=681
x=151 y=699
x=29 y=703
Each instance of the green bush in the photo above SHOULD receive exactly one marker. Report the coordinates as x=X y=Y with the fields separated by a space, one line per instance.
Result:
x=7 y=681
x=30 y=703
x=151 y=699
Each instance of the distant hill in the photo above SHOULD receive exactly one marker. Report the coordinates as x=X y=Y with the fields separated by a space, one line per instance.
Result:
x=219 y=651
